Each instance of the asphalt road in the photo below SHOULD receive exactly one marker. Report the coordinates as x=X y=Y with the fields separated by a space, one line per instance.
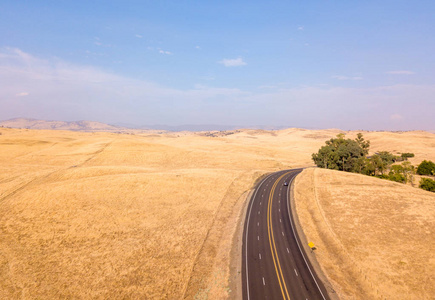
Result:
x=273 y=265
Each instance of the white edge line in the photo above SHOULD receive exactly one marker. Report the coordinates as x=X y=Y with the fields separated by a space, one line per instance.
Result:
x=247 y=229
x=297 y=242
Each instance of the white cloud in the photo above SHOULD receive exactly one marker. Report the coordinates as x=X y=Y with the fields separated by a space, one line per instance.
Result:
x=99 y=43
x=138 y=36
x=22 y=94
x=400 y=72
x=197 y=47
x=165 y=52
x=339 y=77
x=234 y=62
x=60 y=90
x=396 y=117
x=300 y=27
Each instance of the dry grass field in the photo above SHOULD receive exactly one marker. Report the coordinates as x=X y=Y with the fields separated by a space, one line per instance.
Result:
x=150 y=216
x=374 y=238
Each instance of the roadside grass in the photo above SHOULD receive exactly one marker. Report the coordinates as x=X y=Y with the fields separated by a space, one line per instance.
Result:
x=374 y=238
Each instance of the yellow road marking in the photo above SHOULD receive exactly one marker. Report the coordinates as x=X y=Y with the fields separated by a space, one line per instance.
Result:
x=272 y=241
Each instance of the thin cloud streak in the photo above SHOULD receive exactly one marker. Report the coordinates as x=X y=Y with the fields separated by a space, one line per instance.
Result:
x=233 y=62
x=165 y=52
x=339 y=77
x=403 y=72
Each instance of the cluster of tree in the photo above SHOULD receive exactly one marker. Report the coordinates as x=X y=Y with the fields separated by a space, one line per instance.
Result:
x=426 y=168
x=403 y=173
x=343 y=154
x=351 y=156
x=427 y=184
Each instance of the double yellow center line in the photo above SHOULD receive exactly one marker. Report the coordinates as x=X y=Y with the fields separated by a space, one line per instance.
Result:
x=275 y=257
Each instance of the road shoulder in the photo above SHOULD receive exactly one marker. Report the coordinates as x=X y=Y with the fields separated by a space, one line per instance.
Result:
x=235 y=280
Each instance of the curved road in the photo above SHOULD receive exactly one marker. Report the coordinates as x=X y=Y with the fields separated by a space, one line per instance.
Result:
x=273 y=265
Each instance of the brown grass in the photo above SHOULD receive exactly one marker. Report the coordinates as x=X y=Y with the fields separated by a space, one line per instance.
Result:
x=104 y=215
x=374 y=237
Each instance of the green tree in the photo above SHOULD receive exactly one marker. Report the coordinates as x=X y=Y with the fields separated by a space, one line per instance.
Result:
x=365 y=145
x=396 y=169
x=426 y=168
x=339 y=154
x=387 y=157
x=323 y=158
x=381 y=162
x=408 y=170
x=427 y=184
x=361 y=165
x=375 y=165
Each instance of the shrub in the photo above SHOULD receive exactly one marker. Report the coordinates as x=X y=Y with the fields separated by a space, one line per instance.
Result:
x=427 y=184
x=397 y=177
x=426 y=168
x=393 y=177
x=407 y=155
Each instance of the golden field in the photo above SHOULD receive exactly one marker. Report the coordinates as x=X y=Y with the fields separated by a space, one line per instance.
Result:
x=374 y=238
x=152 y=215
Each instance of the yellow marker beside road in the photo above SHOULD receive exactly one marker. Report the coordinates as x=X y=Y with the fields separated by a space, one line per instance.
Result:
x=311 y=245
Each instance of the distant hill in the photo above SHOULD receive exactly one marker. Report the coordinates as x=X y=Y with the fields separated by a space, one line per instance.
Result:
x=211 y=127
x=97 y=126
x=58 y=125
x=188 y=127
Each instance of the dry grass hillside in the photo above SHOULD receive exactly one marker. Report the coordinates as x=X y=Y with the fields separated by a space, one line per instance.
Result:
x=105 y=215
x=374 y=238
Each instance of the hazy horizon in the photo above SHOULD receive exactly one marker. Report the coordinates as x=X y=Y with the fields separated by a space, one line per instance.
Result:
x=353 y=66
x=197 y=127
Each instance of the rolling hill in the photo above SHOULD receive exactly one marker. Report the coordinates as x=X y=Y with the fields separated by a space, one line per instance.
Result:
x=58 y=125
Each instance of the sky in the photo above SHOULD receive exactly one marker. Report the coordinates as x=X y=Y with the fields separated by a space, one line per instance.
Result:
x=313 y=64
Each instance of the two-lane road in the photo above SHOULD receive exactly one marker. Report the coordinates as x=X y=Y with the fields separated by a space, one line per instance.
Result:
x=274 y=266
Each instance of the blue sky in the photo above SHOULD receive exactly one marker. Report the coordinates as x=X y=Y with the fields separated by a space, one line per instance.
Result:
x=313 y=64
